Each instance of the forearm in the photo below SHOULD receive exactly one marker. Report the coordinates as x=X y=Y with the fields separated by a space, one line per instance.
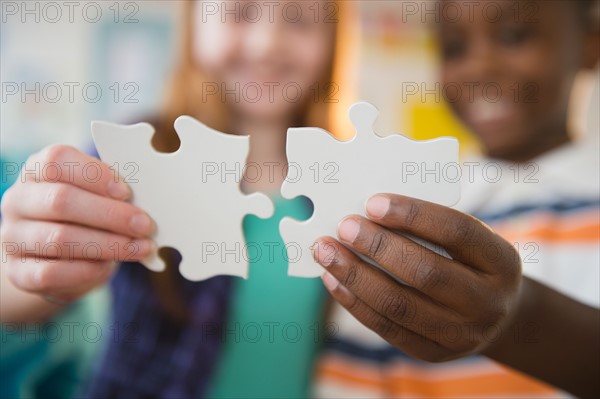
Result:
x=553 y=338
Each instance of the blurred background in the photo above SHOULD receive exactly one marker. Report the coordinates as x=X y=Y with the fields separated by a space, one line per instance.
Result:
x=63 y=67
x=65 y=64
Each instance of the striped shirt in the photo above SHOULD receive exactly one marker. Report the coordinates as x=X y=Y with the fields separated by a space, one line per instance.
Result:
x=550 y=210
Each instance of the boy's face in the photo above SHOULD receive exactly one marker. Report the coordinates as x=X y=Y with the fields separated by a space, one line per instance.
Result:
x=514 y=62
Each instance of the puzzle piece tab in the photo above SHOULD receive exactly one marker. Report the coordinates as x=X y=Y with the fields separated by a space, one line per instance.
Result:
x=339 y=177
x=192 y=194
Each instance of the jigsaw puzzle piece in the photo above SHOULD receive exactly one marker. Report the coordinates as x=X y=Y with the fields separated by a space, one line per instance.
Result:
x=192 y=194
x=339 y=177
x=115 y=145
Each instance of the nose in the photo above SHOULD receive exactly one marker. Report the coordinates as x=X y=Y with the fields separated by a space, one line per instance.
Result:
x=262 y=40
x=482 y=63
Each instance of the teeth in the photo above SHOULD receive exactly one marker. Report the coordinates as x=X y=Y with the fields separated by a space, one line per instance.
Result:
x=485 y=110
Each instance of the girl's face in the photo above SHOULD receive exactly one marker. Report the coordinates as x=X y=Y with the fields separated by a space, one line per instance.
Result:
x=268 y=58
x=508 y=69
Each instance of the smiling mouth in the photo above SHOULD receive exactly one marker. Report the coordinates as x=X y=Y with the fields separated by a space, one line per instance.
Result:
x=484 y=112
x=261 y=73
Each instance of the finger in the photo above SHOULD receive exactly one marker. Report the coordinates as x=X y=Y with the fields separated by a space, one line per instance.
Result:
x=62 y=202
x=400 y=337
x=61 y=163
x=401 y=304
x=443 y=279
x=66 y=241
x=466 y=239
x=58 y=278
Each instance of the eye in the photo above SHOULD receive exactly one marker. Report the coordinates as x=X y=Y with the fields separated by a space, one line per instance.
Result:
x=513 y=36
x=453 y=48
x=453 y=41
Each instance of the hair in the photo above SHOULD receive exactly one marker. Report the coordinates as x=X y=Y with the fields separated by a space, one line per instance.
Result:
x=185 y=88
x=184 y=94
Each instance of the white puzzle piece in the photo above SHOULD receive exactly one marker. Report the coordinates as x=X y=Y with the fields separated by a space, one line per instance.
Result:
x=197 y=205
x=339 y=177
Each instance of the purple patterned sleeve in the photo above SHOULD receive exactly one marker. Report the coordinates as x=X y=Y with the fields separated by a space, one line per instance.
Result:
x=156 y=356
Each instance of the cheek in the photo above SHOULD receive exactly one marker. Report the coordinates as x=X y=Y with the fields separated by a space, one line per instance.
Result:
x=543 y=79
x=311 y=56
x=214 y=42
x=450 y=78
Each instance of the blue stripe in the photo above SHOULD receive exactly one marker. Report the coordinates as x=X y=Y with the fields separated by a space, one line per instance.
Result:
x=382 y=355
x=565 y=206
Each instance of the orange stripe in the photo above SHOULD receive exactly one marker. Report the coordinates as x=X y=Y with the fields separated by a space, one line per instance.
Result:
x=398 y=383
x=584 y=234
x=482 y=385
x=350 y=372
x=581 y=228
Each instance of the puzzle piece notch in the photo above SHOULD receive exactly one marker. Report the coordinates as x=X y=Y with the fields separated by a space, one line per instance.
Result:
x=191 y=207
x=358 y=168
x=363 y=116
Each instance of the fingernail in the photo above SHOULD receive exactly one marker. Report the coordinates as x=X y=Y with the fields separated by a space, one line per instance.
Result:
x=330 y=282
x=141 y=224
x=378 y=206
x=143 y=248
x=323 y=253
x=118 y=190
x=348 y=230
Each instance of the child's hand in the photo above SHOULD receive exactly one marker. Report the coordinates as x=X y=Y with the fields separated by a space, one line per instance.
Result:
x=448 y=308
x=65 y=223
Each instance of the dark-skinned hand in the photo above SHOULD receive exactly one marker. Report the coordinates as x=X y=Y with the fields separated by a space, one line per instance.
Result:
x=426 y=304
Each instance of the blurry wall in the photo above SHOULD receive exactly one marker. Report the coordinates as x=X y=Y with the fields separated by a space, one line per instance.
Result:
x=399 y=71
x=63 y=66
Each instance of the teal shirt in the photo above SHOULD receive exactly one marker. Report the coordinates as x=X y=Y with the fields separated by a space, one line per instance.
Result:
x=271 y=336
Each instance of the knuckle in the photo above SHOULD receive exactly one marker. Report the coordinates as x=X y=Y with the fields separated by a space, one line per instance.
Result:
x=57 y=198
x=58 y=236
x=412 y=214
x=463 y=229
x=351 y=302
x=352 y=277
x=513 y=263
x=385 y=327
x=55 y=153
x=473 y=291
x=378 y=245
x=497 y=312
x=494 y=310
x=428 y=277
x=113 y=212
x=397 y=307
x=43 y=277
